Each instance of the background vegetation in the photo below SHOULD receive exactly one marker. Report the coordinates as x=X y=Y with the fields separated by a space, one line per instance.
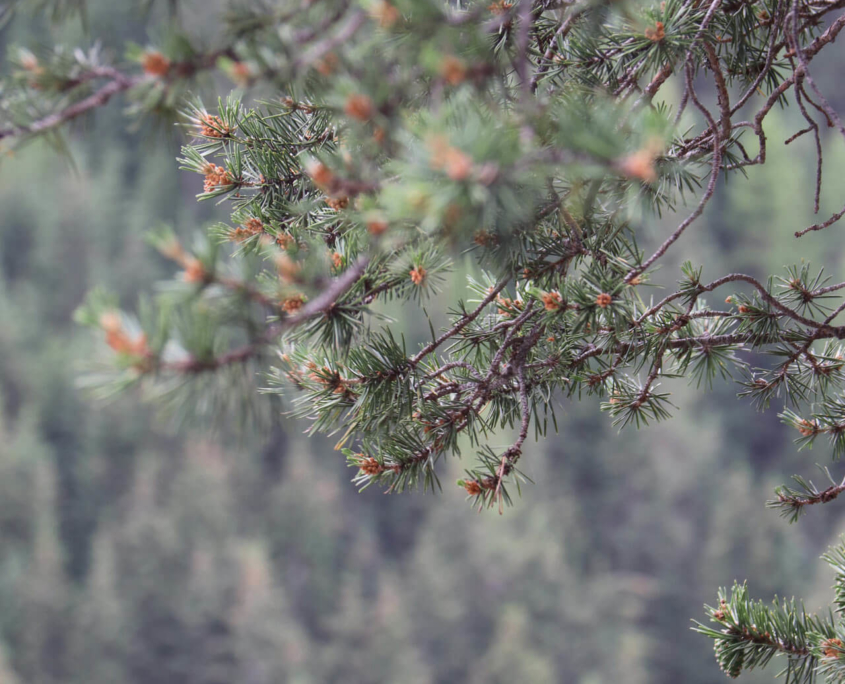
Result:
x=130 y=552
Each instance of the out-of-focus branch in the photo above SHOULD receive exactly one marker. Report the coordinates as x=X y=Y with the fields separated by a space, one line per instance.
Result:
x=118 y=82
x=320 y=305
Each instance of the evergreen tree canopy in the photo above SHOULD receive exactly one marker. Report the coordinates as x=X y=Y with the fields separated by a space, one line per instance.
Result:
x=385 y=139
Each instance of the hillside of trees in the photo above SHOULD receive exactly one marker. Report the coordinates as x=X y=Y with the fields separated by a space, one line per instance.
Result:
x=135 y=548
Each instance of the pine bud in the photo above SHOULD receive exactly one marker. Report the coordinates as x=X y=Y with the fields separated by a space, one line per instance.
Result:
x=155 y=64
x=320 y=174
x=215 y=177
x=369 y=465
x=211 y=126
x=285 y=240
x=194 y=271
x=452 y=70
x=832 y=648
x=359 y=107
x=484 y=239
x=385 y=14
x=458 y=165
x=287 y=268
x=603 y=300
x=455 y=163
x=252 y=226
x=807 y=428
x=472 y=487
x=418 y=274
x=656 y=33
x=377 y=227
x=292 y=304
x=29 y=62
x=110 y=321
x=551 y=300
x=327 y=64
x=639 y=165
x=499 y=7
x=172 y=249
x=117 y=338
x=240 y=73
x=337 y=203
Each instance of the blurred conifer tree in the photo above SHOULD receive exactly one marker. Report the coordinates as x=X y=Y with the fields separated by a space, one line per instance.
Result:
x=389 y=137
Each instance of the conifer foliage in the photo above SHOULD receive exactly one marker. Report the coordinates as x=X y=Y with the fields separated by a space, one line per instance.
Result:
x=391 y=137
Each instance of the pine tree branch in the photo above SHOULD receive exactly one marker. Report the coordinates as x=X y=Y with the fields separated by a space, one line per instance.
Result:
x=460 y=325
x=792 y=502
x=320 y=305
x=117 y=83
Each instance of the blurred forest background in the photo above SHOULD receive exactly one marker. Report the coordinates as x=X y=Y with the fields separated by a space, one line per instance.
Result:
x=133 y=553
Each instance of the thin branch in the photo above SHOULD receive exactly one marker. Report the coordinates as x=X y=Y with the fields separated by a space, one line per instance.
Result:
x=561 y=33
x=460 y=325
x=118 y=83
x=711 y=188
x=321 y=304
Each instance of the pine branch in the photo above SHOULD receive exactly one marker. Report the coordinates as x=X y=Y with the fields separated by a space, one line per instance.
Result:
x=117 y=82
x=792 y=502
